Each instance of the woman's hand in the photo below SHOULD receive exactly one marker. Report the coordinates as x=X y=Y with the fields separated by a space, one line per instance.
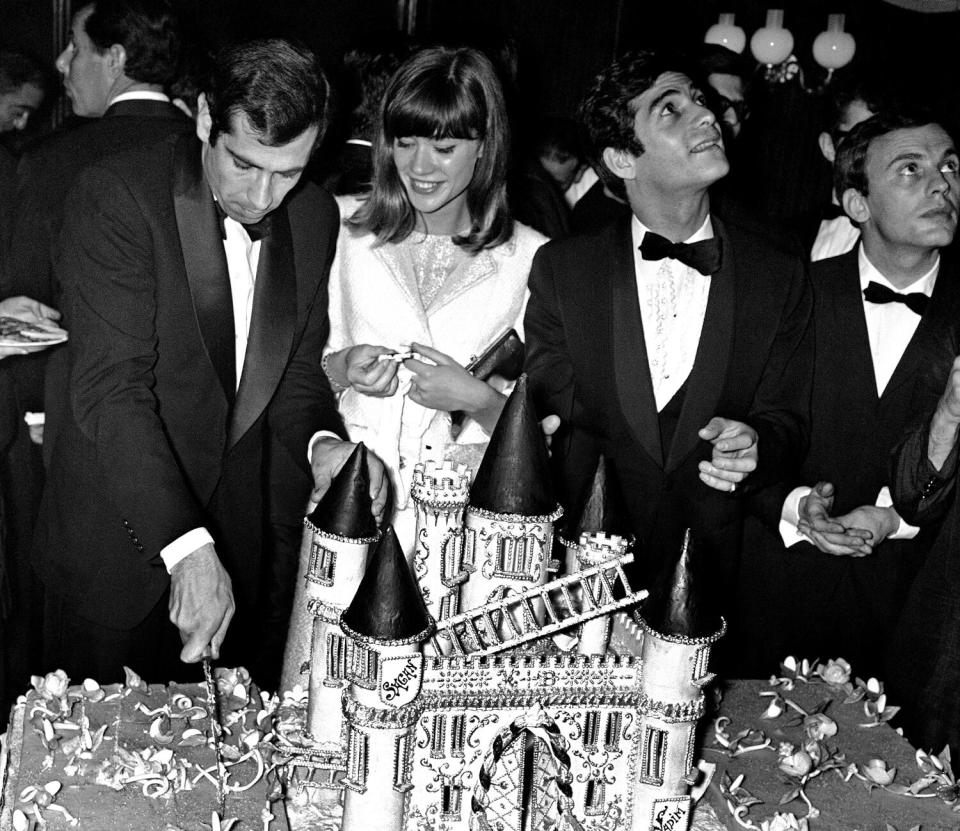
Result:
x=368 y=375
x=445 y=385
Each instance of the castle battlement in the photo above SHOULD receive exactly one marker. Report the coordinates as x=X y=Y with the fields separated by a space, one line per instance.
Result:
x=440 y=482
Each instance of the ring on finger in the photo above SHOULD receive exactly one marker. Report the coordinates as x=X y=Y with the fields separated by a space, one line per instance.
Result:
x=733 y=487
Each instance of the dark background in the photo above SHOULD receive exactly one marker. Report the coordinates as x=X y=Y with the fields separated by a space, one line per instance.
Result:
x=560 y=44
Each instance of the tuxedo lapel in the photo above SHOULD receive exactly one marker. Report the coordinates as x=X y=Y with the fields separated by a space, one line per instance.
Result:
x=205 y=261
x=842 y=327
x=938 y=318
x=634 y=387
x=706 y=380
x=271 y=327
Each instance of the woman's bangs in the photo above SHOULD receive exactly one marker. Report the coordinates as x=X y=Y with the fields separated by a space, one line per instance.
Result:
x=434 y=114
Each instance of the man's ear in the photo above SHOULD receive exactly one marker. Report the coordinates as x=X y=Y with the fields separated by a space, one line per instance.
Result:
x=620 y=163
x=855 y=205
x=204 y=119
x=825 y=141
x=117 y=60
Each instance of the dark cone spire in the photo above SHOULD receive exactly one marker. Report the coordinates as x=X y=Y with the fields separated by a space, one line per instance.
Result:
x=388 y=605
x=346 y=509
x=514 y=476
x=675 y=606
x=602 y=508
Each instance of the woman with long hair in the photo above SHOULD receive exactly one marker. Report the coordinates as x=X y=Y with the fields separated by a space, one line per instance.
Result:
x=429 y=263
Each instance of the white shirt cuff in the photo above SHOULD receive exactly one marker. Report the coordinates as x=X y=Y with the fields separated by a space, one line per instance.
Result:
x=184 y=546
x=320 y=434
x=905 y=531
x=790 y=516
x=34 y=419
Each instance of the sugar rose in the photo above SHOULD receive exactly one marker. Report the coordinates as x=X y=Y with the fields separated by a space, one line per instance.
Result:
x=781 y=822
x=819 y=727
x=876 y=771
x=836 y=671
x=797 y=764
x=52 y=685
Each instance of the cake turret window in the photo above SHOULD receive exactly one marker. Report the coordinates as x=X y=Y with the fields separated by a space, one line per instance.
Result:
x=323 y=564
x=652 y=755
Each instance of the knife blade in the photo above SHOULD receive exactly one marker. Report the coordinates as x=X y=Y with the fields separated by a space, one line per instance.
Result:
x=216 y=726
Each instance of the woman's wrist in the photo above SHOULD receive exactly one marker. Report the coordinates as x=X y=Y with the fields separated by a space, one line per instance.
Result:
x=335 y=368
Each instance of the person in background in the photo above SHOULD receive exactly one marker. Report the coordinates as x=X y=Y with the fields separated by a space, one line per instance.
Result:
x=429 y=262
x=834 y=577
x=22 y=89
x=728 y=78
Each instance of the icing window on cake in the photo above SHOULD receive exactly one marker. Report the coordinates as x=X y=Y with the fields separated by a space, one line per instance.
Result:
x=700 y=662
x=450 y=802
x=363 y=667
x=591 y=726
x=338 y=654
x=357 y=757
x=514 y=557
x=469 y=559
x=653 y=756
x=611 y=736
x=402 y=763
x=594 y=801
x=323 y=564
x=451 y=559
x=449 y=604
x=438 y=736
x=458 y=734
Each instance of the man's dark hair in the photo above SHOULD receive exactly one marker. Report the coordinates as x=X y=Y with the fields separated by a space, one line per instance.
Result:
x=277 y=85
x=366 y=72
x=149 y=32
x=559 y=134
x=850 y=168
x=18 y=69
x=608 y=109
x=712 y=58
x=876 y=96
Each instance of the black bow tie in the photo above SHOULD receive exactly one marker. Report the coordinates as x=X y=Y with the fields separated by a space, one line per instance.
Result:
x=255 y=230
x=831 y=211
x=704 y=256
x=916 y=301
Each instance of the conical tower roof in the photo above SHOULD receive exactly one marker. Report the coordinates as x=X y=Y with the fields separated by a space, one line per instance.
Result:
x=388 y=605
x=346 y=509
x=675 y=605
x=601 y=508
x=514 y=476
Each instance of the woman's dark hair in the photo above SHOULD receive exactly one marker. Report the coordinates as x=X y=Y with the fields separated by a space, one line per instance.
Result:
x=278 y=85
x=442 y=93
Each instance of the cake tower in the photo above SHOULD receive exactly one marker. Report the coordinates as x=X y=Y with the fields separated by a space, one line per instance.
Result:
x=387 y=623
x=596 y=534
x=508 y=534
x=333 y=557
x=440 y=493
x=679 y=632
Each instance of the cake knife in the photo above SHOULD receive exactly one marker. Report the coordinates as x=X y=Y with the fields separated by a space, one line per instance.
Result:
x=216 y=726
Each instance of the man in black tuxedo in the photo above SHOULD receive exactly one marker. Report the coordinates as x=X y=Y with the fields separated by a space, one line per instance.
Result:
x=687 y=366
x=194 y=276
x=823 y=586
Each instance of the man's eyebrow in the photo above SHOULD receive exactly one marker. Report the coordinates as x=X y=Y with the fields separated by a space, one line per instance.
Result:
x=691 y=90
x=249 y=163
x=907 y=156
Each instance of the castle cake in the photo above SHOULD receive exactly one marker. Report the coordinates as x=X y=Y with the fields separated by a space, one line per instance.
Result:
x=138 y=756
x=437 y=695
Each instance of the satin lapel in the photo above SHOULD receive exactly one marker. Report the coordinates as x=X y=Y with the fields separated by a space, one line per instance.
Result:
x=271 y=327
x=634 y=387
x=842 y=328
x=937 y=319
x=205 y=261
x=709 y=374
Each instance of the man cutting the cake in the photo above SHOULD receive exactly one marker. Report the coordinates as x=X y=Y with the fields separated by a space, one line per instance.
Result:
x=195 y=274
x=673 y=342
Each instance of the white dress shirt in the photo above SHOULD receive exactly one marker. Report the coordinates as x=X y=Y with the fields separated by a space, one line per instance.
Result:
x=835 y=237
x=890 y=326
x=139 y=95
x=673 y=302
x=243 y=256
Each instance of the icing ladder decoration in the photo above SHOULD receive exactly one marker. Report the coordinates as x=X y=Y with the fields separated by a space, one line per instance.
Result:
x=510 y=621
